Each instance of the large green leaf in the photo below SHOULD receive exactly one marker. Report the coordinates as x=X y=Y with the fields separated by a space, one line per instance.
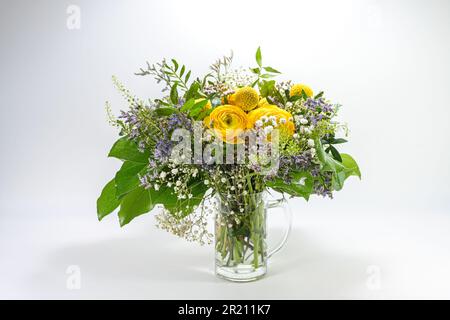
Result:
x=134 y=204
x=340 y=170
x=127 y=178
x=107 y=202
x=301 y=184
x=140 y=201
x=125 y=149
x=351 y=167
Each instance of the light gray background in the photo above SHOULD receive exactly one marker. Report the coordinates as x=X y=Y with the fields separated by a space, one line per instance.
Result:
x=386 y=236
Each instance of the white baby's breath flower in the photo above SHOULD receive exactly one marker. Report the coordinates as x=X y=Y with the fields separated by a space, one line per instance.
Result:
x=295 y=136
x=156 y=186
x=311 y=142
x=163 y=175
x=223 y=180
x=303 y=121
x=178 y=183
x=258 y=123
x=206 y=182
x=174 y=171
x=268 y=129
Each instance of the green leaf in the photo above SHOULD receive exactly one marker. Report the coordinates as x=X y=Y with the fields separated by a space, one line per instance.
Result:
x=255 y=70
x=270 y=69
x=337 y=141
x=340 y=171
x=183 y=68
x=335 y=153
x=304 y=95
x=259 y=57
x=107 y=202
x=351 y=167
x=301 y=184
x=192 y=92
x=134 y=204
x=127 y=178
x=319 y=95
x=188 y=75
x=197 y=108
x=188 y=105
x=266 y=88
x=175 y=63
x=165 y=111
x=183 y=207
x=125 y=149
x=174 y=93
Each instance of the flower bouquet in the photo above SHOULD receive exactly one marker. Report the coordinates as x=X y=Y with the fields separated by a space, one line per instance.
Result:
x=221 y=146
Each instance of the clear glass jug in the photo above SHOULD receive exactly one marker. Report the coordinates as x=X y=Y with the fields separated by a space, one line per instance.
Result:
x=241 y=234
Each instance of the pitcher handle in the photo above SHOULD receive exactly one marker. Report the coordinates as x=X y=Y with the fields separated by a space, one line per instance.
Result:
x=282 y=202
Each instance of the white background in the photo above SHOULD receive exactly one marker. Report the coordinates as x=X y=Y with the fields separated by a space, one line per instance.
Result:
x=386 y=236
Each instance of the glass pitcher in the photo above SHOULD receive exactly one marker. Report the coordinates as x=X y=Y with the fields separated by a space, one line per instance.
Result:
x=241 y=234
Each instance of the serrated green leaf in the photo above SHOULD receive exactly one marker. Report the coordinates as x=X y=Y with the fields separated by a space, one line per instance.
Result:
x=125 y=149
x=127 y=178
x=107 y=202
x=259 y=57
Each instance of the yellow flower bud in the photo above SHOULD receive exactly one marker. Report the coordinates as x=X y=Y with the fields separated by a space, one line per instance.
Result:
x=246 y=98
x=296 y=90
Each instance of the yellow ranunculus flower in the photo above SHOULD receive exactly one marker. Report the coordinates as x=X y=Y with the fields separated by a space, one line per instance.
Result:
x=228 y=122
x=246 y=98
x=296 y=90
x=269 y=111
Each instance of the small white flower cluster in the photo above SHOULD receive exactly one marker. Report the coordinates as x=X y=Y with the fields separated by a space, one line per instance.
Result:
x=193 y=228
x=240 y=77
x=283 y=86
x=177 y=178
